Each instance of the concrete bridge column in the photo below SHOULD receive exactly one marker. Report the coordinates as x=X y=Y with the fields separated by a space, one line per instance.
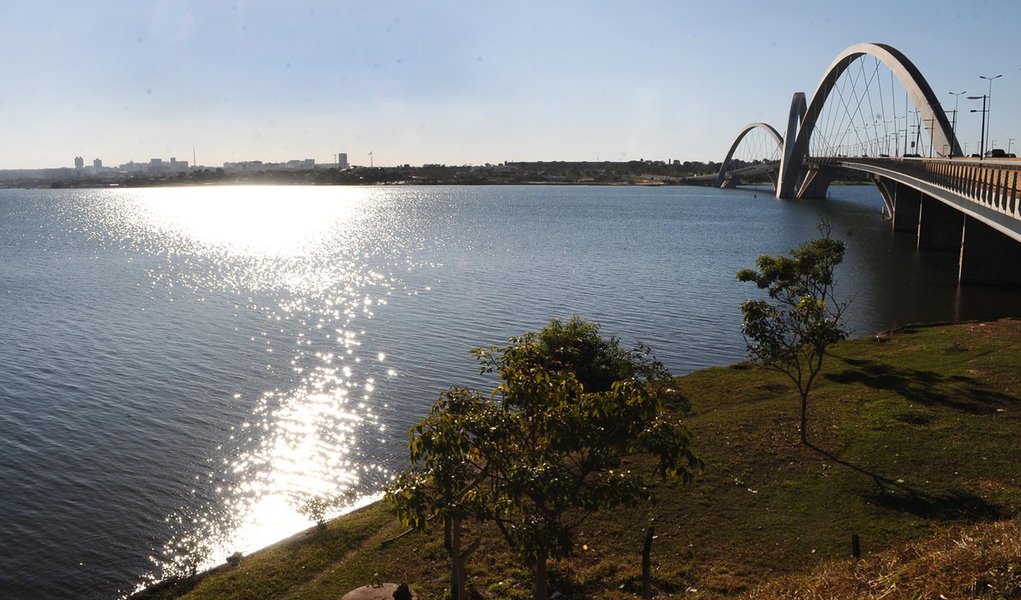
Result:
x=988 y=256
x=907 y=202
x=887 y=189
x=940 y=226
x=816 y=183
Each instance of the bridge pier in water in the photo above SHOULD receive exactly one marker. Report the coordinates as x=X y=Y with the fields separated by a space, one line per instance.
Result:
x=940 y=227
x=905 y=205
x=987 y=256
x=816 y=183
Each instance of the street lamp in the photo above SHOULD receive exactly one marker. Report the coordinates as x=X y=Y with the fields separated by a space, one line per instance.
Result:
x=989 y=116
x=916 y=136
x=896 y=137
x=916 y=145
x=931 y=123
x=953 y=127
x=982 y=140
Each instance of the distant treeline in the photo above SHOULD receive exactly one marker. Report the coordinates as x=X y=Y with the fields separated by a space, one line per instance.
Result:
x=637 y=172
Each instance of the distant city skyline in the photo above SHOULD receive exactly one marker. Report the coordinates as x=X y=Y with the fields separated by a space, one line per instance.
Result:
x=456 y=82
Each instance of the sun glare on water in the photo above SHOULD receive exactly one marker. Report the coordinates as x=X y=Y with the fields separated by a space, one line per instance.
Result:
x=295 y=256
x=254 y=221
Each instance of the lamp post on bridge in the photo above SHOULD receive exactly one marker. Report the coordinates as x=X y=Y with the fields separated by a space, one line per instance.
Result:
x=931 y=123
x=982 y=138
x=917 y=125
x=916 y=134
x=896 y=137
x=989 y=114
x=953 y=127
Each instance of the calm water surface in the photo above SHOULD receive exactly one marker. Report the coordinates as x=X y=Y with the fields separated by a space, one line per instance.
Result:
x=181 y=369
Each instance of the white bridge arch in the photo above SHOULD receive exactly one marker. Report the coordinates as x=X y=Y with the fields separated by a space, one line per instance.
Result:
x=796 y=149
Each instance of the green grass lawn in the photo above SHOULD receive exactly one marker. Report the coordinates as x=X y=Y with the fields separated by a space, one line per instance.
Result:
x=913 y=437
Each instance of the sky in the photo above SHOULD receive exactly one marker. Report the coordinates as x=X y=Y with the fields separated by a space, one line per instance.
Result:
x=455 y=82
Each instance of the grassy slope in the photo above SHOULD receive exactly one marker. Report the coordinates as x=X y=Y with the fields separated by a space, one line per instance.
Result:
x=915 y=436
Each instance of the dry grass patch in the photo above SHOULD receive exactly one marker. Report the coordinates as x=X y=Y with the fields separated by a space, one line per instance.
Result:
x=982 y=561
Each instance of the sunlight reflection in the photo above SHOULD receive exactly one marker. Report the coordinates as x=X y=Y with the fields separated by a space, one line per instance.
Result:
x=305 y=455
x=259 y=221
x=298 y=258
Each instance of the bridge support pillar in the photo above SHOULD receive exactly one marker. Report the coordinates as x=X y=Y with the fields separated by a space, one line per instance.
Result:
x=888 y=190
x=988 y=256
x=907 y=202
x=940 y=226
x=816 y=183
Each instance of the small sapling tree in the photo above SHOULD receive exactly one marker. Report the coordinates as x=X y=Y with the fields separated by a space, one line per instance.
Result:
x=791 y=331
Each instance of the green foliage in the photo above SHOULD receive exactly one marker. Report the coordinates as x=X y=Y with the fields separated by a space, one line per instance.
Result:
x=551 y=445
x=790 y=332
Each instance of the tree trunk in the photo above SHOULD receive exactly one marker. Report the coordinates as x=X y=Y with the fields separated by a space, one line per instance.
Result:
x=457 y=577
x=804 y=419
x=541 y=592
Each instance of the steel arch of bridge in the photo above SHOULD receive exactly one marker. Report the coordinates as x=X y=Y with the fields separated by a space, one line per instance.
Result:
x=725 y=165
x=921 y=94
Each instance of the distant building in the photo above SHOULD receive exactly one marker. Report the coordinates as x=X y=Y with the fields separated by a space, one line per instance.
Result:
x=79 y=162
x=257 y=166
x=247 y=166
x=342 y=160
x=158 y=166
x=97 y=164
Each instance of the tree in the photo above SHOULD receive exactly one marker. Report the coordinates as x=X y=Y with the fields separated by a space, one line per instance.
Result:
x=549 y=447
x=791 y=332
x=447 y=473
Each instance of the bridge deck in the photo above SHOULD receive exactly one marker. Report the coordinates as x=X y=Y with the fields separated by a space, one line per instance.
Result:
x=989 y=190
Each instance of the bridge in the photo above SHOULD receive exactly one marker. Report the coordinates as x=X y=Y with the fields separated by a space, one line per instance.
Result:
x=874 y=113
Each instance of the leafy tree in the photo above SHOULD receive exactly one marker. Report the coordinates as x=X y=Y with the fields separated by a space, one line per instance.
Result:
x=551 y=445
x=791 y=331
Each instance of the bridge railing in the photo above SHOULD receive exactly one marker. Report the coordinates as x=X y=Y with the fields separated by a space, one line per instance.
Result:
x=994 y=184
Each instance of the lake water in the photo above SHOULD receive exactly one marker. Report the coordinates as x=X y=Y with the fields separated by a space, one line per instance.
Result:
x=182 y=368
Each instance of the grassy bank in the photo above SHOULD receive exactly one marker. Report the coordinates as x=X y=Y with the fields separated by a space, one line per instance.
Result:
x=915 y=439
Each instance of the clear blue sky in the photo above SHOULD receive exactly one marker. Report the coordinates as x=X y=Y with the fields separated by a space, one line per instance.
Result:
x=454 y=82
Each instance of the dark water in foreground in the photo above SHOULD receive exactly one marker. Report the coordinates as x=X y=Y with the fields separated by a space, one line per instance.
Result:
x=181 y=368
